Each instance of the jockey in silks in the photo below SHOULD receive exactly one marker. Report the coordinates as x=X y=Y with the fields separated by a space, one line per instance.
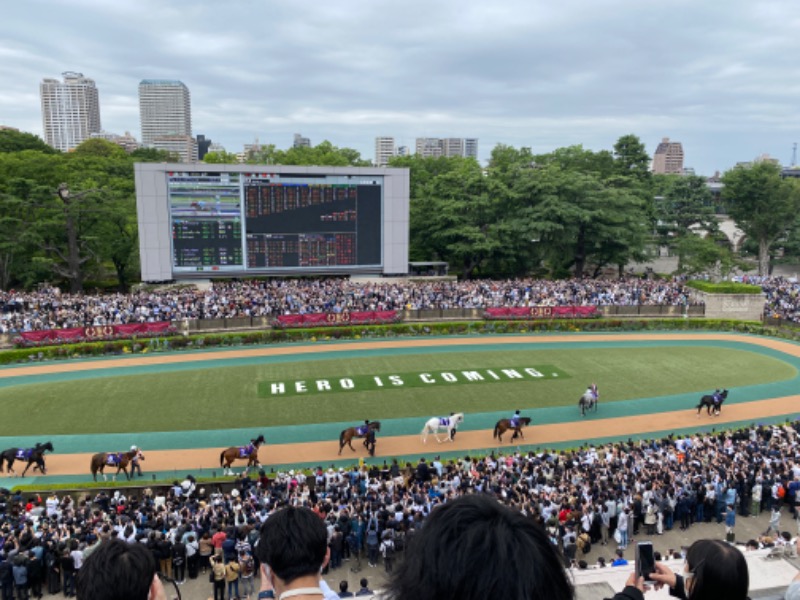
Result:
x=595 y=393
x=363 y=429
x=514 y=421
x=717 y=396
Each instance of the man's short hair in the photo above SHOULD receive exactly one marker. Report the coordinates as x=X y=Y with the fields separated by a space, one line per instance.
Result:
x=116 y=570
x=293 y=543
x=476 y=548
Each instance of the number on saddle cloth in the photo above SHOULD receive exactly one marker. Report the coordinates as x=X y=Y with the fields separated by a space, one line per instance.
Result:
x=444 y=422
x=362 y=430
x=24 y=453
x=514 y=422
x=113 y=459
x=245 y=451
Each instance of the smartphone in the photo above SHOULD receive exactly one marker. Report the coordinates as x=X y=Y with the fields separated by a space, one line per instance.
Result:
x=645 y=561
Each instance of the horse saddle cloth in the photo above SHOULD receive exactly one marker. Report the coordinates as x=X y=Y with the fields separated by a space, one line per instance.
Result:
x=113 y=460
x=362 y=430
x=245 y=451
x=514 y=422
x=444 y=422
x=24 y=453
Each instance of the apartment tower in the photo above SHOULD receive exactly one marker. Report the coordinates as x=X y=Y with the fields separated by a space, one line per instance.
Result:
x=384 y=150
x=668 y=157
x=70 y=110
x=165 y=110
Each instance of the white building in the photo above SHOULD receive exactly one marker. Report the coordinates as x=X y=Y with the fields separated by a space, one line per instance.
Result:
x=165 y=110
x=384 y=150
x=70 y=110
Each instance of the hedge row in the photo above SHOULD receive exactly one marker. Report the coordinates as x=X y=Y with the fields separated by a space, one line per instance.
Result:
x=356 y=332
x=725 y=287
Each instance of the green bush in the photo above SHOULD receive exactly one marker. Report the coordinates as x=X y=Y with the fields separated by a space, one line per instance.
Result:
x=355 y=332
x=726 y=287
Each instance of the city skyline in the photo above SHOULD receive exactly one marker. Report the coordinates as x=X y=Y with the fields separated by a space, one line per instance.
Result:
x=524 y=74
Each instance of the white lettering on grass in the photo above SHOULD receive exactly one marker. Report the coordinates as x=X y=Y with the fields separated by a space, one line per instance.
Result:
x=472 y=376
x=300 y=386
x=277 y=388
x=396 y=379
x=492 y=373
x=323 y=385
x=449 y=377
x=378 y=381
x=426 y=378
x=347 y=383
x=512 y=374
x=533 y=372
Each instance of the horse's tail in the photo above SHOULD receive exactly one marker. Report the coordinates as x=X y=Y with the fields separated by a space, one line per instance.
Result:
x=497 y=430
x=222 y=458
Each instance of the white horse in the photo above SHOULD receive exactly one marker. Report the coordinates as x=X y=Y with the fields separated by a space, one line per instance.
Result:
x=446 y=425
x=589 y=400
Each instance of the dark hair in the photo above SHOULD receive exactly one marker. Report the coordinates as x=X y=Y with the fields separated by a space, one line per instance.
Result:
x=116 y=570
x=474 y=547
x=293 y=543
x=364 y=583
x=720 y=571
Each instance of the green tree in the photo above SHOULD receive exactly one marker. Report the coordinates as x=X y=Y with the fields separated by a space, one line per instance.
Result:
x=631 y=158
x=220 y=158
x=323 y=154
x=685 y=202
x=16 y=141
x=153 y=155
x=763 y=205
x=704 y=255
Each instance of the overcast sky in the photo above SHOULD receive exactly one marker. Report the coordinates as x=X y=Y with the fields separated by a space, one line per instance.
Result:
x=722 y=77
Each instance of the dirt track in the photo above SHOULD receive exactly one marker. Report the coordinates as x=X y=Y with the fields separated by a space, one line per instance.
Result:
x=325 y=452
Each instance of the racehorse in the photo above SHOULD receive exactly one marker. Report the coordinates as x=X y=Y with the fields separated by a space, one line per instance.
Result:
x=33 y=455
x=589 y=400
x=708 y=402
x=226 y=457
x=121 y=460
x=362 y=431
x=442 y=424
x=504 y=425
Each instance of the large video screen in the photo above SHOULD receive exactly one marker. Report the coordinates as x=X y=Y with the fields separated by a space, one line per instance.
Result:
x=262 y=222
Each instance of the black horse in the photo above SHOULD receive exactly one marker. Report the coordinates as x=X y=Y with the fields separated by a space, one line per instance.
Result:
x=709 y=402
x=369 y=442
x=33 y=456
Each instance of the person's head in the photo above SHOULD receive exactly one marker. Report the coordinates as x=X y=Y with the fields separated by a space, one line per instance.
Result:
x=363 y=583
x=343 y=585
x=516 y=412
x=474 y=547
x=714 y=569
x=293 y=543
x=117 y=570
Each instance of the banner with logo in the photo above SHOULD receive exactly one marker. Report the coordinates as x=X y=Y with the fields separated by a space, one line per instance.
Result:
x=542 y=312
x=367 y=317
x=96 y=332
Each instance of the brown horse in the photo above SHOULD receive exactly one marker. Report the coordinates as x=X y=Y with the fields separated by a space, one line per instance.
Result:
x=362 y=431
x=249 y=452
x=121 y=460
x=504 y=425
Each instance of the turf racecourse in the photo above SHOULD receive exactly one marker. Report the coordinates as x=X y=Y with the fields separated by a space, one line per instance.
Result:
x=655 y=398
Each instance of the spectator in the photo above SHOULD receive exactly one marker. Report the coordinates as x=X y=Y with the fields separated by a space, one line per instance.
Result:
x=364 y=591
x=475 y=548
x=120 y=571
x=343 y=593
x=619 y=561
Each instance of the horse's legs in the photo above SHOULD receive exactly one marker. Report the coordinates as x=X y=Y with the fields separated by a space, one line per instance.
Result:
x=25 y=470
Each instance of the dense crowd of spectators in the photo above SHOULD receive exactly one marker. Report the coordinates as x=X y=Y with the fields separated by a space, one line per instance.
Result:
x=49 y=308
x=783 y=298
x=597 y=495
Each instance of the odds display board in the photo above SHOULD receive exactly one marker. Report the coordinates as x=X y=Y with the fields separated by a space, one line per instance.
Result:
x=235 y=220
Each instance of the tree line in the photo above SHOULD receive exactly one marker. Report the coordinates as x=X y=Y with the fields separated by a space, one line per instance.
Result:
x=70 y=218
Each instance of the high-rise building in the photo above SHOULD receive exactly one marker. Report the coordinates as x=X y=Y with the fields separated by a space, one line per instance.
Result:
x=384 y=150
x=301 y=142
x=165 y=110
x=668 y=157
x=70 y=110
x=433 y=147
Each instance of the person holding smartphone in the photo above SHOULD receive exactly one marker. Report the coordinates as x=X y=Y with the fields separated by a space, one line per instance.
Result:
x=713 y=569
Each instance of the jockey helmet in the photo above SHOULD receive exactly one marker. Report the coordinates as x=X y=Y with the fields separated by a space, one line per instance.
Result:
x=134 y=449
x=516 y=412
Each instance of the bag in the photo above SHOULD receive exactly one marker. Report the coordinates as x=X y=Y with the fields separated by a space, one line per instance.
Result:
x=617 y=536
x=372 y=537
x=388 y=549
x=730 y=537
x=781 y=492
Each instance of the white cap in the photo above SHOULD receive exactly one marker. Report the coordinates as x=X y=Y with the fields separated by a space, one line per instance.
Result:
x=134 y=448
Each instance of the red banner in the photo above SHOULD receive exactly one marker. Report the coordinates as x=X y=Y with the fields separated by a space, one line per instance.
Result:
x=371 y=317
x=95 y=332
x=542 y=312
